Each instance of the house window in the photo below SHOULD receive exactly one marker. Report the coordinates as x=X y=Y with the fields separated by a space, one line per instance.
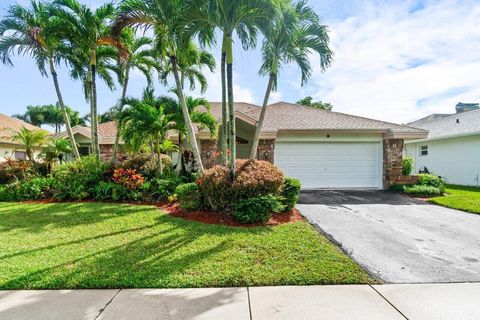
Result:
x=424 y=150
x=84 y=151
x=20 y=155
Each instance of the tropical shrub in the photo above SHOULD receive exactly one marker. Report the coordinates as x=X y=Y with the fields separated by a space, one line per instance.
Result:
x=189 y=196
x=428 y=179
x=33 y=189
x=407 y=165
x=129 y=178
x=422 y=190
x=163 y=187
x=257 y=209
x=146 y=165
x=15 y=170
x=76 y=180
x=253 y=178
x=106 y=191
x=291 y=190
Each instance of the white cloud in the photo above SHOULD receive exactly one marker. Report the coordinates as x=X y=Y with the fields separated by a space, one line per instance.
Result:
x=398 y=65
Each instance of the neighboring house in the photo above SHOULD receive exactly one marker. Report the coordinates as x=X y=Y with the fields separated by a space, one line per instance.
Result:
x=324 y=149
x=452 y=148
x=8 y=147
x=106 y=138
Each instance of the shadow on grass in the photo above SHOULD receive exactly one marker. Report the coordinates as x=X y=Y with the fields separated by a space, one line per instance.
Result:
x=163 y=252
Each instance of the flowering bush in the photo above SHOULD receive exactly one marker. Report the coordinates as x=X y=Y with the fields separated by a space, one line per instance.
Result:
x=15 y=170
x=129 y=178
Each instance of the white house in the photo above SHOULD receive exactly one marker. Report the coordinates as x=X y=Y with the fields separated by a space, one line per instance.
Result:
x=452 y=148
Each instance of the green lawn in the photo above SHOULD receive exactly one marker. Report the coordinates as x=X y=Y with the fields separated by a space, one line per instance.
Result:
x=93 y=245
x=460 y=197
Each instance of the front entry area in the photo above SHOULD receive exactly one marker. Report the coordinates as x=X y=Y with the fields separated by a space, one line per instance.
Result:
x=331 y=165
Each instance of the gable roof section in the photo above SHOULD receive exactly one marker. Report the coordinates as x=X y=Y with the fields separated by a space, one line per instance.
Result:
x=9 y=125
x=284 y=116
x=106 y=132
x=454 y=125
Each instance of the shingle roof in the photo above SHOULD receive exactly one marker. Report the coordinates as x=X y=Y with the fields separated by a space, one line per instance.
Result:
x=106 y=132
x=464 y=123
x=9 y=125
x=289 y=116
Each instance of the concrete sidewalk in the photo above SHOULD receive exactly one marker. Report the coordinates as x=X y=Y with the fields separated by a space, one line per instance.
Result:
x=389 y=302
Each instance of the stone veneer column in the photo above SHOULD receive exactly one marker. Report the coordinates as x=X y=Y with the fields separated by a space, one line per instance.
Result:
x=392 y=161
x=266 y=150
x=208 y=153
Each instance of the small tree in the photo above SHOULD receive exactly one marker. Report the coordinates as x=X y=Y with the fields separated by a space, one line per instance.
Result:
x=56 y=149
x=30 y=139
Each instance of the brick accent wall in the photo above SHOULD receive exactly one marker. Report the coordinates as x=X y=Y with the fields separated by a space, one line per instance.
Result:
x=266 y=150
x=392 y=161
x=208 y=149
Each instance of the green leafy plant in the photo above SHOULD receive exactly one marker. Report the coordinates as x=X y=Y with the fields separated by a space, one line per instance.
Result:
x=291 y=190
x=427 y=179
x=407 y=165
x=106 y=191
x=161 y=188
x=258 y=209
x=77 y=180
x=34 y=189
x=189 y=196
x=15 y=170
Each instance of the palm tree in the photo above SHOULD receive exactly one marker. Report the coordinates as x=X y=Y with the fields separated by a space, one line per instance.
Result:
x=56 y=149
x=34 y=32
x=292 y=37
x=141 y=57
x=200 y=114
x=146 y=121
x=191 y=62
x=30 y=139
x=87 y=30
x=167 y=19
x=243 y=18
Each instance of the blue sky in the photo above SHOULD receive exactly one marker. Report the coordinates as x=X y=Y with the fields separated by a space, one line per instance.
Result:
x=394 y=60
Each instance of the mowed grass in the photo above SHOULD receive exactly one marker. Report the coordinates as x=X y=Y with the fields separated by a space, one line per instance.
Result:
x=93 y=245
x=460 y=197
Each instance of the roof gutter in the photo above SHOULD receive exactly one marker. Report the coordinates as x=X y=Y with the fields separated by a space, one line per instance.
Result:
x=444 y=137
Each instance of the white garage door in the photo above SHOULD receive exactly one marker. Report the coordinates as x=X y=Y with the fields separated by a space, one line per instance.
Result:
x=331 y=164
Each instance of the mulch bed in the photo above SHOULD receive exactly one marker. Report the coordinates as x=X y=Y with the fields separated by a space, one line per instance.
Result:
x=203 y=216
x=213 y=217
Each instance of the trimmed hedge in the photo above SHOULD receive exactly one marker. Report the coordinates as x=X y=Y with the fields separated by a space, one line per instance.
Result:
x=422 y=191
x=258 y=209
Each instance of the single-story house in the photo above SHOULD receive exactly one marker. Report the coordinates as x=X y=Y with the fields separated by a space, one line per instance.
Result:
x=324 y=149
x=83 y=137
x=452 y=147
x=8 y=147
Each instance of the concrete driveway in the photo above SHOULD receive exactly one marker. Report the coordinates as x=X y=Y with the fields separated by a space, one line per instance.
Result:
x=398 y=239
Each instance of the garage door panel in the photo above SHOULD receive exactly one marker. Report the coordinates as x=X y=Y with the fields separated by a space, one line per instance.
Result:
x=331 y=165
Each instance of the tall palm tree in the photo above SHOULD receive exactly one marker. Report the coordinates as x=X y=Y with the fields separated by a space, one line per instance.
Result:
x=141 y=57
x=30 y=139
x=167 y=19
x=146 y=121
x=87 y=30
x=292 y=37
x=34 y=32
x=243 y=18
x=191 y=62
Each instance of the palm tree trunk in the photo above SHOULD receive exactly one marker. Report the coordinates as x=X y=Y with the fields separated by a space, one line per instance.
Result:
x=93 y=105
x=258 y=128
x=180 y=153
x=223 y=137
x=159 y=157
x=66 y=118
x=117 y=135
x=186 y=115
x=231 y=108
